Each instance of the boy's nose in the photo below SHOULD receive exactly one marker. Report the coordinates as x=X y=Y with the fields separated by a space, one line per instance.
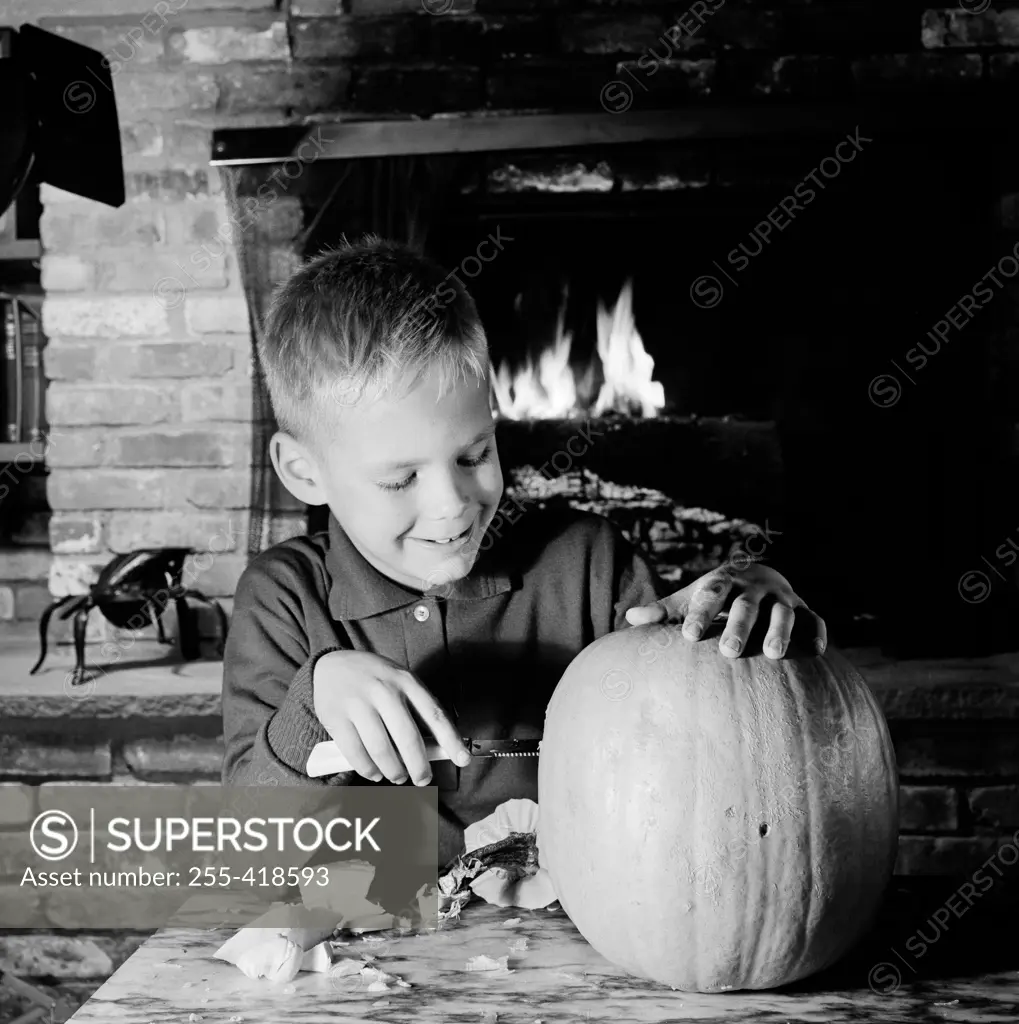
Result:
x=446 y=501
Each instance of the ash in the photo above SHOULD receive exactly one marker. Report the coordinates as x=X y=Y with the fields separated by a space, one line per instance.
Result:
x=682 y=543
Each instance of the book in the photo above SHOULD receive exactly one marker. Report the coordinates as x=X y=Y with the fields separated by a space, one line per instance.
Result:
x=32 y=383
x=11 y=372
x=21 y=395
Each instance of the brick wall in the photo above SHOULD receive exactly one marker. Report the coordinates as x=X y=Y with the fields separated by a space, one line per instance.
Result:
x=70 y=964
x=149 y=394
x=959 y=794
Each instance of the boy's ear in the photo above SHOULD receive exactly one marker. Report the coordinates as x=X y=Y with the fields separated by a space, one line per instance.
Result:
x=297 y=468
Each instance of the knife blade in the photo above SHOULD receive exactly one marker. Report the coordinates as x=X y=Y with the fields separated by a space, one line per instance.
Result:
x=327 y=759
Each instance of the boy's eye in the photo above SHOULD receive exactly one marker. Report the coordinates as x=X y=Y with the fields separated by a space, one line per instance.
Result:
x=479 y=459
x=472 y=463
x=397 y=486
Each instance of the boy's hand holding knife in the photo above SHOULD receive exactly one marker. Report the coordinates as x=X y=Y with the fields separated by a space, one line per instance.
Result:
x=364 y=702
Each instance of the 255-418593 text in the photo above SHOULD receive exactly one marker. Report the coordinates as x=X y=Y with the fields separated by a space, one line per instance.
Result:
x=275 y=877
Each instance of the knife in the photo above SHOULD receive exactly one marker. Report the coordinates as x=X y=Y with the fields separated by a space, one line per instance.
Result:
x=326 y=758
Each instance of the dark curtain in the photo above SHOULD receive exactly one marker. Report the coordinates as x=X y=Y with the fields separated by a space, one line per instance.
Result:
x=396 y=197
x=254 y=256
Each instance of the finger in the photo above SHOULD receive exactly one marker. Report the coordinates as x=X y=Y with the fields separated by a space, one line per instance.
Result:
x=645 y=614
x=674 y=606
x=345 y=736
x=707 y=600
x=820 y=631
x=780 y=629
x=809 y=630
x=742 y=616
x=378 y=744
x=435 y=718
x=405 y=735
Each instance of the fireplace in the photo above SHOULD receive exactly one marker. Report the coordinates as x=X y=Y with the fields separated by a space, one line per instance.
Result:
x=720 y=313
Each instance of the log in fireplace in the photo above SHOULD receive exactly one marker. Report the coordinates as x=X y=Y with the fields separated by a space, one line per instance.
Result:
x=747 y=310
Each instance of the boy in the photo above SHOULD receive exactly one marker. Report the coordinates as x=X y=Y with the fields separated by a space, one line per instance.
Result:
x=404 y=606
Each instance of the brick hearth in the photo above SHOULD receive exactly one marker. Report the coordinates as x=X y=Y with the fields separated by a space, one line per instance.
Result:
x=149 y=717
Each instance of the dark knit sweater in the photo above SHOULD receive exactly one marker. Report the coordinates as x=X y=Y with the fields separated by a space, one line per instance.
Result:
x=492 y=650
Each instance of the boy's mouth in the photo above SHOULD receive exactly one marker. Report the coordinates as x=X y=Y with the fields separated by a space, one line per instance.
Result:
x=446 y=542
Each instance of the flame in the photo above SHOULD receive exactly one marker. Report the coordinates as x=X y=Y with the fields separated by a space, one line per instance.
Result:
x=552 y=389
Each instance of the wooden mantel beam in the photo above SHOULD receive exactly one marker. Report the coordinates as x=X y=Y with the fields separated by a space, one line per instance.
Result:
x=344 y=140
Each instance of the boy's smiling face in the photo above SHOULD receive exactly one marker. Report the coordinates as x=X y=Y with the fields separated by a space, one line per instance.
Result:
x=404 y=473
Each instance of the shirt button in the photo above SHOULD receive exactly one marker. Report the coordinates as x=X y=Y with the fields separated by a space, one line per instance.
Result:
x=421 y=613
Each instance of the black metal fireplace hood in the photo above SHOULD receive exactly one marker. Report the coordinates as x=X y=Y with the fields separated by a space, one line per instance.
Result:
x=349 y=138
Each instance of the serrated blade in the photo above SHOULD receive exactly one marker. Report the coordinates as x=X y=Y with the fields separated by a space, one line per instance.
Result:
x=327 y=759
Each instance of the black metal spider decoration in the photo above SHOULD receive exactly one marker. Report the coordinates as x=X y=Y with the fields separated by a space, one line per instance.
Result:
x=133 y=591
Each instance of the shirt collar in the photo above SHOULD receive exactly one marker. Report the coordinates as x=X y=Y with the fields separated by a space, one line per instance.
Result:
x=357 y=590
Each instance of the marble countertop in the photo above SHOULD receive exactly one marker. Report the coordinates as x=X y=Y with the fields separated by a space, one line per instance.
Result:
x=970 y=974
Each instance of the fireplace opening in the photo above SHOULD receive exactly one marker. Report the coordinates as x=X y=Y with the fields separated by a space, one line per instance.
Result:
x=726 y=346
x=608 y=298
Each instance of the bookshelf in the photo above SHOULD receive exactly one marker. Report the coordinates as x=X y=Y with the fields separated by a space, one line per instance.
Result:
x=22 y=415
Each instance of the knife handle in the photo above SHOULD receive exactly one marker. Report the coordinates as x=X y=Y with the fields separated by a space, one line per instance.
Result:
x=327 y=759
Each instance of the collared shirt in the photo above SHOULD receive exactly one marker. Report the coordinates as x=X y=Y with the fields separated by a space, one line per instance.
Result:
x=491 y=647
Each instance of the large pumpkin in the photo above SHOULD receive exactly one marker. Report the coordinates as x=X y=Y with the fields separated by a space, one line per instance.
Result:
x=715 y=823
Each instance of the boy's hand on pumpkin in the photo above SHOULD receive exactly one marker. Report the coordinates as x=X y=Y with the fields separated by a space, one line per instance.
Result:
x=744 y=592
x=364 y=702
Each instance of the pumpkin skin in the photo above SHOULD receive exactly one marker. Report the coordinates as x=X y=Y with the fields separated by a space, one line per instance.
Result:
x=716 y=823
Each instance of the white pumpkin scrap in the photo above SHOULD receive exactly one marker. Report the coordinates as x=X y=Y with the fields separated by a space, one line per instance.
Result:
x=285 y=940
x=492 y=965
x=275 y=957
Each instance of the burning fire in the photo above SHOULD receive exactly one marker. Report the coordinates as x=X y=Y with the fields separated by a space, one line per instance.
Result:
x=553 y=390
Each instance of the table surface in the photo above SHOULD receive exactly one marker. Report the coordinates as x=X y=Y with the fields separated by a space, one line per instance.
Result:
x=970 y=972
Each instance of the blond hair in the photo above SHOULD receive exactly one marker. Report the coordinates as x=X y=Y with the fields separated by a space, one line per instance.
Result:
x=361 y=319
